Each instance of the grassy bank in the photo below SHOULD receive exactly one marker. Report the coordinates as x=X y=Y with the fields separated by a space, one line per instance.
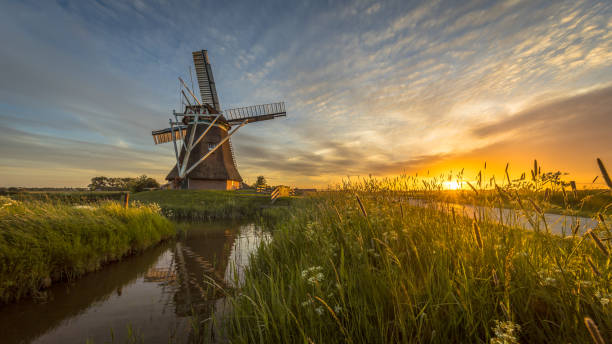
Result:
x=73 y=197
x=43 y=242
x=375 y=270
x=207 y=204
x=585 y=203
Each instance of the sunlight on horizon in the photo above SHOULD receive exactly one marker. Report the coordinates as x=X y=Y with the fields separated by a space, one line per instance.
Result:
x=451 y=185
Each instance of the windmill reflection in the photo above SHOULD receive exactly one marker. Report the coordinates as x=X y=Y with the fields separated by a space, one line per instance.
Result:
x=197 y=267
x=156 y=292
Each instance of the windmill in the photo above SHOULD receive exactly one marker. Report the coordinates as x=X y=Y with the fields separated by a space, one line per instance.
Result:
x=201 y=133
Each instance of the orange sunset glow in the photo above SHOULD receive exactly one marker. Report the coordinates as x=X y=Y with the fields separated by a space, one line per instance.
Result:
x=430 y=87
x=320 y=171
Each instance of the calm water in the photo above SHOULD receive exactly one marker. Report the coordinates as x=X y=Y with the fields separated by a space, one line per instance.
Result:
x=558 y=224
x=148 y=298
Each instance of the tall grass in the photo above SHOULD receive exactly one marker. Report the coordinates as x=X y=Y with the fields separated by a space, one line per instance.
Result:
x=580 y=203
x=360 y=265
x=549 y=191
x=43 y=242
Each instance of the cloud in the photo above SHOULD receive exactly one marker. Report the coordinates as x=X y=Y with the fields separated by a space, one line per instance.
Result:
x=587 y=115
x=370 y=88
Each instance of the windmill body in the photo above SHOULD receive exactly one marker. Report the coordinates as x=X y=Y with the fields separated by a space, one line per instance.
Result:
x=201 y=134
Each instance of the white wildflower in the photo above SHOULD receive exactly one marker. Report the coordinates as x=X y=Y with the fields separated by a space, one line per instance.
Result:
x=82 y=206
x=506 y=332
x=547 y=278
x=604 y=298
x=307 y=303
x=549 y=281
x=314 y=279
x=313 y=274
x=319 y=310
x=390 y=235
x=337 y=309
x=155 y=208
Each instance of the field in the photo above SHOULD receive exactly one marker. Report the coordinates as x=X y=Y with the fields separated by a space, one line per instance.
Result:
x=360 y=265
x=73 y=197
x=44 y=242
x=207 y=204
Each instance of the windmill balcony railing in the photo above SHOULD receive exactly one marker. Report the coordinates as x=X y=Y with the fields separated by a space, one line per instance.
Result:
x=271 y=109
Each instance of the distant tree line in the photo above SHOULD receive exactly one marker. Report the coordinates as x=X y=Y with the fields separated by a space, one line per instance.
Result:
x=138 y=184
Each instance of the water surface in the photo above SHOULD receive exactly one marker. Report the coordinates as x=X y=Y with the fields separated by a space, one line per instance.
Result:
x=555 y=223
x=150 y=297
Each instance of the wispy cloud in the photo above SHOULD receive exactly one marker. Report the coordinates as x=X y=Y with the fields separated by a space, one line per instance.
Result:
x=370 y=87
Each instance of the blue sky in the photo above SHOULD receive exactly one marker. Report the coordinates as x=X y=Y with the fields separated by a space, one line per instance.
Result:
x=371 y=87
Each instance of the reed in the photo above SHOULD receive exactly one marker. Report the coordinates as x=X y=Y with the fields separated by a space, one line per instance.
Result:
x=604 y=173
x=599 y=243
x=477 y=235
x=417 y=274
x=594 y=331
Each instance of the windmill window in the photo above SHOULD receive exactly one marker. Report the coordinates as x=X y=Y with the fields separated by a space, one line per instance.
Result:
x=211 y=146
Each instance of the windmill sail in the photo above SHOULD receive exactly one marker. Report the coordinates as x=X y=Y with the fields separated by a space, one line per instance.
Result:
x=255 y=113
x=165 y=135
x=208 y=91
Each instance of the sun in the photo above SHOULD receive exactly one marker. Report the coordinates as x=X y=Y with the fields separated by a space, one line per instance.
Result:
x=451 y=185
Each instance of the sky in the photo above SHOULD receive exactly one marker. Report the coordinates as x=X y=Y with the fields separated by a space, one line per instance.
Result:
x=371 y=88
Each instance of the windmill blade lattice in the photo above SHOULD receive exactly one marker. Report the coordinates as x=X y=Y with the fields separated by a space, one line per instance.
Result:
x=206 y=81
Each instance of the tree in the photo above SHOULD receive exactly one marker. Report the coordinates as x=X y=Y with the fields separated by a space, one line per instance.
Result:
x=98 y=183
x=141 y=183
x=261 y=182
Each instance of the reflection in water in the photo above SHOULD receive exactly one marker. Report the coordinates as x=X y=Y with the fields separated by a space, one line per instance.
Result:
x=558 y=224
x=154 y=294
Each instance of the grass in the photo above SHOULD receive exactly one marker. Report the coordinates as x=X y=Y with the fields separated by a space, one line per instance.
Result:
x=44 y=242
x=360 y=265
x=208 y=204
x=579 y=203
x=73 y=197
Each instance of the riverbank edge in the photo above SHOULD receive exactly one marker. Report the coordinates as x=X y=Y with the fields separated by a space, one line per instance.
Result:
x=582 y=203
x=42 y=243
x=208 y=205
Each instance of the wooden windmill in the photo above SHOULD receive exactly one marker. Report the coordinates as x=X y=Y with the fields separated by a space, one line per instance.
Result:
x=204 y=154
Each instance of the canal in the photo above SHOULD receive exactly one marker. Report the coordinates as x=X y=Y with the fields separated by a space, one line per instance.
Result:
x=517 y=218
x=159 y=296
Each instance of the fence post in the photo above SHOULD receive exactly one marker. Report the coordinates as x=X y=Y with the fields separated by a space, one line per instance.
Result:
x=126 y=200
